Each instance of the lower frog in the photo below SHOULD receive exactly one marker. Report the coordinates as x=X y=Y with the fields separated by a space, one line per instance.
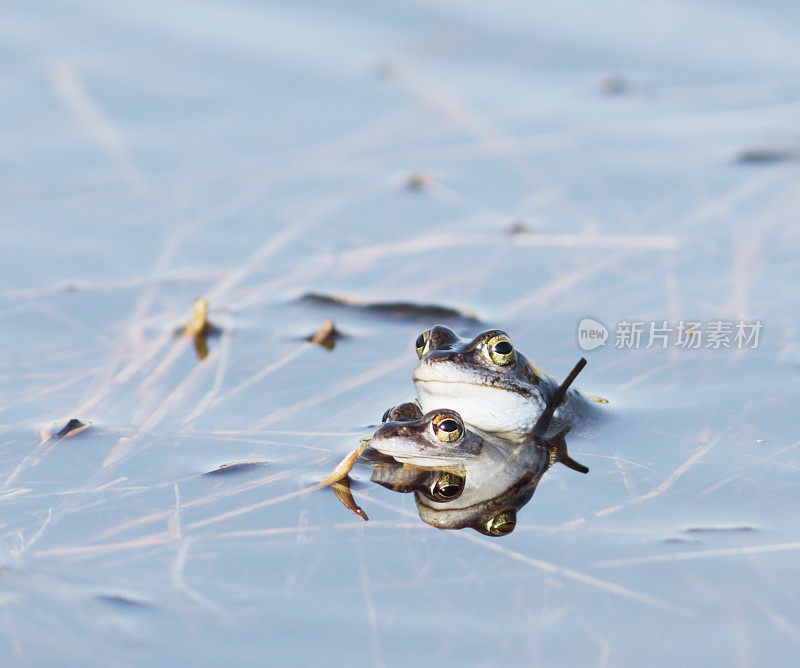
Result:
x=491 y=384
x=461 y=477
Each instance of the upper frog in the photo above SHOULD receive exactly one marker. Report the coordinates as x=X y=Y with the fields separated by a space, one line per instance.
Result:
x=492 y=385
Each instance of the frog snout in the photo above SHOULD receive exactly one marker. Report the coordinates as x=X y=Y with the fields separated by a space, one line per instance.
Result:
x=391 y=430
x=441 y=356
x=441 y=336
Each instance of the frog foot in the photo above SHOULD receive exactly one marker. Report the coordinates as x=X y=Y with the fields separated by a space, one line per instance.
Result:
x=344 y=467
x=343 y=493
x=557 y=449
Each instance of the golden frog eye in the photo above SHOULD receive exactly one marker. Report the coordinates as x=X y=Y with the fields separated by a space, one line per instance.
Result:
x=502 y=524
x=448 y=427
x=422 y=343
x=500 y=350
x=447 y=487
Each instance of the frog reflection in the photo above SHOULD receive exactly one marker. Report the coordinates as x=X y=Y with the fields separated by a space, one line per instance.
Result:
x=460 y=477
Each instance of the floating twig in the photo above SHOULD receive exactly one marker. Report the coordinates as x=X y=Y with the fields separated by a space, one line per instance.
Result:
x=327 y=335
x=557 y=445
x=200 y=328
x=235 y=467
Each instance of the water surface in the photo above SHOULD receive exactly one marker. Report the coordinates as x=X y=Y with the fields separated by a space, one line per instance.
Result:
x=255 y=152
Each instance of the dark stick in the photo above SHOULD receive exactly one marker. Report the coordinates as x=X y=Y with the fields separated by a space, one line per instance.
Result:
x=543 y=422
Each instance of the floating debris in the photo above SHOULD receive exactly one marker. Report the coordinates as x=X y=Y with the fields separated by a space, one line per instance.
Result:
x=765 y=155
x=342 y=491
x=327 y=336
x=236 y=467
x=199 y=328
x=518 y=227
x=613 y=84
x=400 y=310
x=199 y=324
x=735 y=529
x=63 y=429
x=417 y=181
x=123 y=600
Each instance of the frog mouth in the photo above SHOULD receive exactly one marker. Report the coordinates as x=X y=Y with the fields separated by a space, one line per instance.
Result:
x=452 y=373
x=420 y=453
x=433 y=382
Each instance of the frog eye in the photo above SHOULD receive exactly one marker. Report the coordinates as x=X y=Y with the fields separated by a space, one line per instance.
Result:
x=422 y=343
x=447 y=487
x=386 y=415
x=501 y=525
x=448 y=427
x=500 y=350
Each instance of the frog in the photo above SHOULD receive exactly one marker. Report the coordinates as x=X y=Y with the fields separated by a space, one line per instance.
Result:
x=460 y=477
x=492 y=385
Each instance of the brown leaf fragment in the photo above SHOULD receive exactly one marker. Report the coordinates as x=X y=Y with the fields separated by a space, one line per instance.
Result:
x=343 y=493
x=199 y=328
x=327 y=336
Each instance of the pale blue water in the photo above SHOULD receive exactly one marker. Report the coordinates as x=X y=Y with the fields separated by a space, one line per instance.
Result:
x=250 y=152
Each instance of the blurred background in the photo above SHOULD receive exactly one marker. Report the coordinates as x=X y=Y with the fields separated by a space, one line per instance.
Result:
x=525 y=164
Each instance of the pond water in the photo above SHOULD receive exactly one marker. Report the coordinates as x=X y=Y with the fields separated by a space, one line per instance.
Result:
x=529 y=166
